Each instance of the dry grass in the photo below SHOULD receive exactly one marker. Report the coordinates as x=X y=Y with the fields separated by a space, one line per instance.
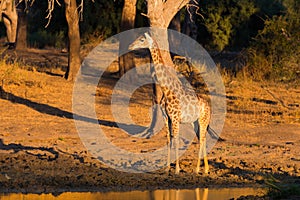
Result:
x=38 y=114
x=251 y=102
x=262 y=103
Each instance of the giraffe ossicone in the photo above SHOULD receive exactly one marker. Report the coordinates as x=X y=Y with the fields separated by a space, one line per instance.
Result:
x=180 y=104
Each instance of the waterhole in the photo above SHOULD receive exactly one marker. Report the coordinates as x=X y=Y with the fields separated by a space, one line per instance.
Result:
x=172 y=194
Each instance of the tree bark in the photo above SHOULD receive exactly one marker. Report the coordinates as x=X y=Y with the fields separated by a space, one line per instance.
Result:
x=74 y=60
x=22 y=27
x=9 y=15
x=175 y=23
x=126 y=61
x=160 y=14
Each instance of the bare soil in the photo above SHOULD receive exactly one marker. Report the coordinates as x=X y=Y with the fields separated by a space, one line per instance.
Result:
x=40 y=150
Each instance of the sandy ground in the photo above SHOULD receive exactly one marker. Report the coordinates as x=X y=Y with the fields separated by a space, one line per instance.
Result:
x=40 y=150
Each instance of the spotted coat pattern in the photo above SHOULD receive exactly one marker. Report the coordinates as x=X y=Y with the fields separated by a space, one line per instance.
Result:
x=180 y=103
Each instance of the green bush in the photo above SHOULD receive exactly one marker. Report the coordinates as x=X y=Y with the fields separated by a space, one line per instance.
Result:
x=42 y=38
x=278 y=43
x=100 y=19
x=225 y=19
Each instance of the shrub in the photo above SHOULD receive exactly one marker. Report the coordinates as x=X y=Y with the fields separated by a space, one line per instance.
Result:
x=42 y=38
x=275 y=51
x=224 y=19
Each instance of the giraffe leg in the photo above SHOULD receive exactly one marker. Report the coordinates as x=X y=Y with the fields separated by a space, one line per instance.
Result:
x=169 y=132
x=205 y=160
x=175 y=131
x=199 y=153
x=202 y=148
x=177 y=169
x=169 y=153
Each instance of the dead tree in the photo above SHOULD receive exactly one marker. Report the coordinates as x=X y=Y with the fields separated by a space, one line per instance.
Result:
x=72 y=12
x=22 y=26
x=127 y=23
x=9 y=15
x=74 y=60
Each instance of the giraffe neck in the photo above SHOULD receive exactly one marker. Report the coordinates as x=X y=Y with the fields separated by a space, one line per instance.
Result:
x=165 y=75
x=156 y=55
x=160 y=70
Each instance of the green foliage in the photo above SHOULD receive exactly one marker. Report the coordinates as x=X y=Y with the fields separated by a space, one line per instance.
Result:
x=279 y=44
x=42 y=38
x=100 y=18
x=220 y=29
x=224 y=18
x=269 y=29
x=55 y=34
x=278 y=190
x=269 y=8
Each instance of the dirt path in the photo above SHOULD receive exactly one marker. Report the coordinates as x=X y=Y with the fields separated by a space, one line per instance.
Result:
x=40 y=150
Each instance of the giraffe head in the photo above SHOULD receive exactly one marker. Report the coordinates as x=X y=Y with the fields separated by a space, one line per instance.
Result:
x=144 y=41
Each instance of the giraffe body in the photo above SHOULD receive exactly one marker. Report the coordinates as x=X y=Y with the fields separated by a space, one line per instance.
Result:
x=180 y=103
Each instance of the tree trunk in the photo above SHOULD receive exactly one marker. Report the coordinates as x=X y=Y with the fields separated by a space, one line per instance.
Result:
x=22 y=27
x=128 y=18
x=74 y=60
x=9 y=15
x=175 y=23
x=160 y=14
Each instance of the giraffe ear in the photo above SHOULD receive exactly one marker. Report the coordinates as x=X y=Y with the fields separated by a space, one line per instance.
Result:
x=147 y=35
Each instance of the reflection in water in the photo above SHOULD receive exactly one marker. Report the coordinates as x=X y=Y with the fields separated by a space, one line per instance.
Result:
x=196 y=194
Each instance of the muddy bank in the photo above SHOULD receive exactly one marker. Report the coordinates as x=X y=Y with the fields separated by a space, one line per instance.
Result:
x=55 y=167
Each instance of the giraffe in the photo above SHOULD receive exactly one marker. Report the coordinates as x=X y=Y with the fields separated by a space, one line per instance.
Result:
x=9 y=15
x=180 y=104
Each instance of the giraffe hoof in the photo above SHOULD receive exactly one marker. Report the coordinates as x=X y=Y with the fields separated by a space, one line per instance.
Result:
x=206 y=170
x=177 y=170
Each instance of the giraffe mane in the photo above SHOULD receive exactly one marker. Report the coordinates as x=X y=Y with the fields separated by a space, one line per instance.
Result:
x=156 y=47
x=171 y=72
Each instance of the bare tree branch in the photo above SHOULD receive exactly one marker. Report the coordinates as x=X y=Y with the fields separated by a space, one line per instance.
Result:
x=173 y=6
x=80 y=10
x=51 y=5
x=193 y=8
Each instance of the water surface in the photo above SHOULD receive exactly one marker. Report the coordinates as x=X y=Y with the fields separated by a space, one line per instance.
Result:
x=195 y=194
